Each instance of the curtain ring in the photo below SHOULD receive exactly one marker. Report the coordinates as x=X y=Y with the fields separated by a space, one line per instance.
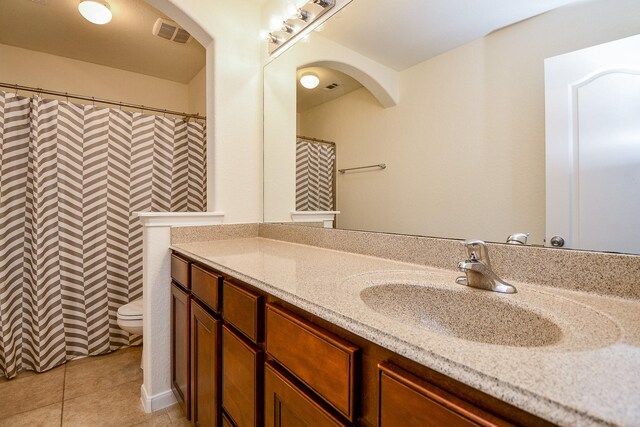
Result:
x=120 y=105
x=66 y=94
x=93 y=100
x=164 y=114
x=16 y=87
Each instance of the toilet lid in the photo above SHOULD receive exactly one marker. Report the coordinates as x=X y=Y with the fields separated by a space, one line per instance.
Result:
x=133 y=310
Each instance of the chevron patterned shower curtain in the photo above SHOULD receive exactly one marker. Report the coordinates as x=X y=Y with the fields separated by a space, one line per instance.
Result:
x=315 y=173
x=71 y=177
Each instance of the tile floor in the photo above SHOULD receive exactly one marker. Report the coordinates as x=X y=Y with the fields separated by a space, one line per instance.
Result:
x=91 y=392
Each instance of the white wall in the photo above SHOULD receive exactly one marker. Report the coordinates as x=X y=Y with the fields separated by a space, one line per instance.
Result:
x=465 y=145
x=197 y=93
x=37 y=69
x=230 y=31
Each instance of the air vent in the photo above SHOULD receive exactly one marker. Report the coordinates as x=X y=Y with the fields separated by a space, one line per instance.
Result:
x=169 y=30
x=182 y=36
x=332 y=86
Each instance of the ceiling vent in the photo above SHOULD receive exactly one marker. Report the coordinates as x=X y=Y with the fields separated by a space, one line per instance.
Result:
x=169 y=30
x=332 y=86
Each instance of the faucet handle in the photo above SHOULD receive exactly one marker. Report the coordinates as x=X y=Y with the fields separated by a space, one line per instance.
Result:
x=476 y=250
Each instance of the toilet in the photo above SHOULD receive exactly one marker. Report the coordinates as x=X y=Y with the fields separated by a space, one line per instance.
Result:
x=130 y=317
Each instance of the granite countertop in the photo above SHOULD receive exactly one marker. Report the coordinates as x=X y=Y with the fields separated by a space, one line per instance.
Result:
x=578 y=363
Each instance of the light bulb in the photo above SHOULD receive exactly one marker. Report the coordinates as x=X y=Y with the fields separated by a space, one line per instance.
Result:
x=309 y=81
x=95 y=11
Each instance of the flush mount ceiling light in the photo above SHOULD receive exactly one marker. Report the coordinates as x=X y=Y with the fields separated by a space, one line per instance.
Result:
x=309 y=80
x=95 y=11
x=298 y=24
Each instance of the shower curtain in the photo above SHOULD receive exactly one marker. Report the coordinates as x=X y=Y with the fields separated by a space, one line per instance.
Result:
x=71 y=177
x=315 y=162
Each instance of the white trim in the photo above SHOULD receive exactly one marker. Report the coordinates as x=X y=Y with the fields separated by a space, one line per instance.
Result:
x=179 y=219
x=157 y=402
x=326 y=217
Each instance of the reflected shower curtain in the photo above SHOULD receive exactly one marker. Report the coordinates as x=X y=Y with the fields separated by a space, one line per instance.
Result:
x=71 y=177
x=315 y=164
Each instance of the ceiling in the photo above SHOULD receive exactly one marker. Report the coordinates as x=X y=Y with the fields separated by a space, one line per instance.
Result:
x=309 y=98
x=56 y=27
x=424 y=28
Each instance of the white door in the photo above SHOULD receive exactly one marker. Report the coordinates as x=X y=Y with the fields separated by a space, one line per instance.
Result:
x=592 y=101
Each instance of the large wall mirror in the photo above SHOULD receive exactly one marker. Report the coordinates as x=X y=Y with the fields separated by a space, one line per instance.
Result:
x=439 y=108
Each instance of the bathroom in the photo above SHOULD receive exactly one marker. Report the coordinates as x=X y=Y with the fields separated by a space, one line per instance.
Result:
x=435 y=123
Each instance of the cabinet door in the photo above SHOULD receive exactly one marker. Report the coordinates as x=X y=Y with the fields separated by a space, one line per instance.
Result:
x=406 y=400
x=205 y=378
x=241 y=379
x=180 y=313
x=286 y=405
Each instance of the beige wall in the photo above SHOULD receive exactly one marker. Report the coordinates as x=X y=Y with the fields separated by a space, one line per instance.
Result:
x=465 y=145
x=197 y=95
x=37 y=69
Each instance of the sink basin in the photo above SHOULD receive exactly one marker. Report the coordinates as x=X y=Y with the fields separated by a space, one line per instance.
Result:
x=473 y=315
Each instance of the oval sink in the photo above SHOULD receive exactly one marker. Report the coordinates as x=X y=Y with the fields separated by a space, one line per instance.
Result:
x=471 y=315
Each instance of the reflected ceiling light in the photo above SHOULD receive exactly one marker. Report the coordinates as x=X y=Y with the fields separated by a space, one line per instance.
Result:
x=309 y=80
x=298 y=24
x=95 y=11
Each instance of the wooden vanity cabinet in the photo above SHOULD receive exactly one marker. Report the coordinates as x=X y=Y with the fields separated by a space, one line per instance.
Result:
x=406 y=399
x=324 y=362
x=287 y=405
x=180 y=346
x=244 y=310
x=254 y=360
x=180 y=271
x=205 y=287
x=241 y=379
x=205 y=370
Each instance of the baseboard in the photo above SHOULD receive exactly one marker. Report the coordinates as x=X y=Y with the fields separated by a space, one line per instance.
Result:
x=156 y=402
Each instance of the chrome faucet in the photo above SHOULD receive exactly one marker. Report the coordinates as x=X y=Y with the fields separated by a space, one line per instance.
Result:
x=518 y=239
x=478 y=272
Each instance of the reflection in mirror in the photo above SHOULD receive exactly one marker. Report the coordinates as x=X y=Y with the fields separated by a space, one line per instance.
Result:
x=459 y=122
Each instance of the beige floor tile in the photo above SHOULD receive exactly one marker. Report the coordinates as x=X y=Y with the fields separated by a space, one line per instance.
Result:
x=21 y=374
x=48 y=416
x=161 y=420
x=96 y=373
x=31 y=391
x=83 y=360
x=177 y=416
x=116 y=406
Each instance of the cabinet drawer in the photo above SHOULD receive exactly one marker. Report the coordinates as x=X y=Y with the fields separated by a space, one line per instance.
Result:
x=408 y=400
x=180 y=270
x=286 y=405
x=306 y=350
x=205 y=285
x=242 y=309
x=241 y=380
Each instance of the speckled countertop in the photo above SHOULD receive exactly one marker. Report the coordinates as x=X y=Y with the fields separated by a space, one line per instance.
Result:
x=570 y=357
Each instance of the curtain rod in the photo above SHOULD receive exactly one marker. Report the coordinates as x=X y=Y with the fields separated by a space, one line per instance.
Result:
x=315 y=139
x=18 y=87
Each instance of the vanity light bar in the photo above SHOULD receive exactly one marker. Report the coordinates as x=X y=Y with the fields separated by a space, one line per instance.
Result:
x=300 y=22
